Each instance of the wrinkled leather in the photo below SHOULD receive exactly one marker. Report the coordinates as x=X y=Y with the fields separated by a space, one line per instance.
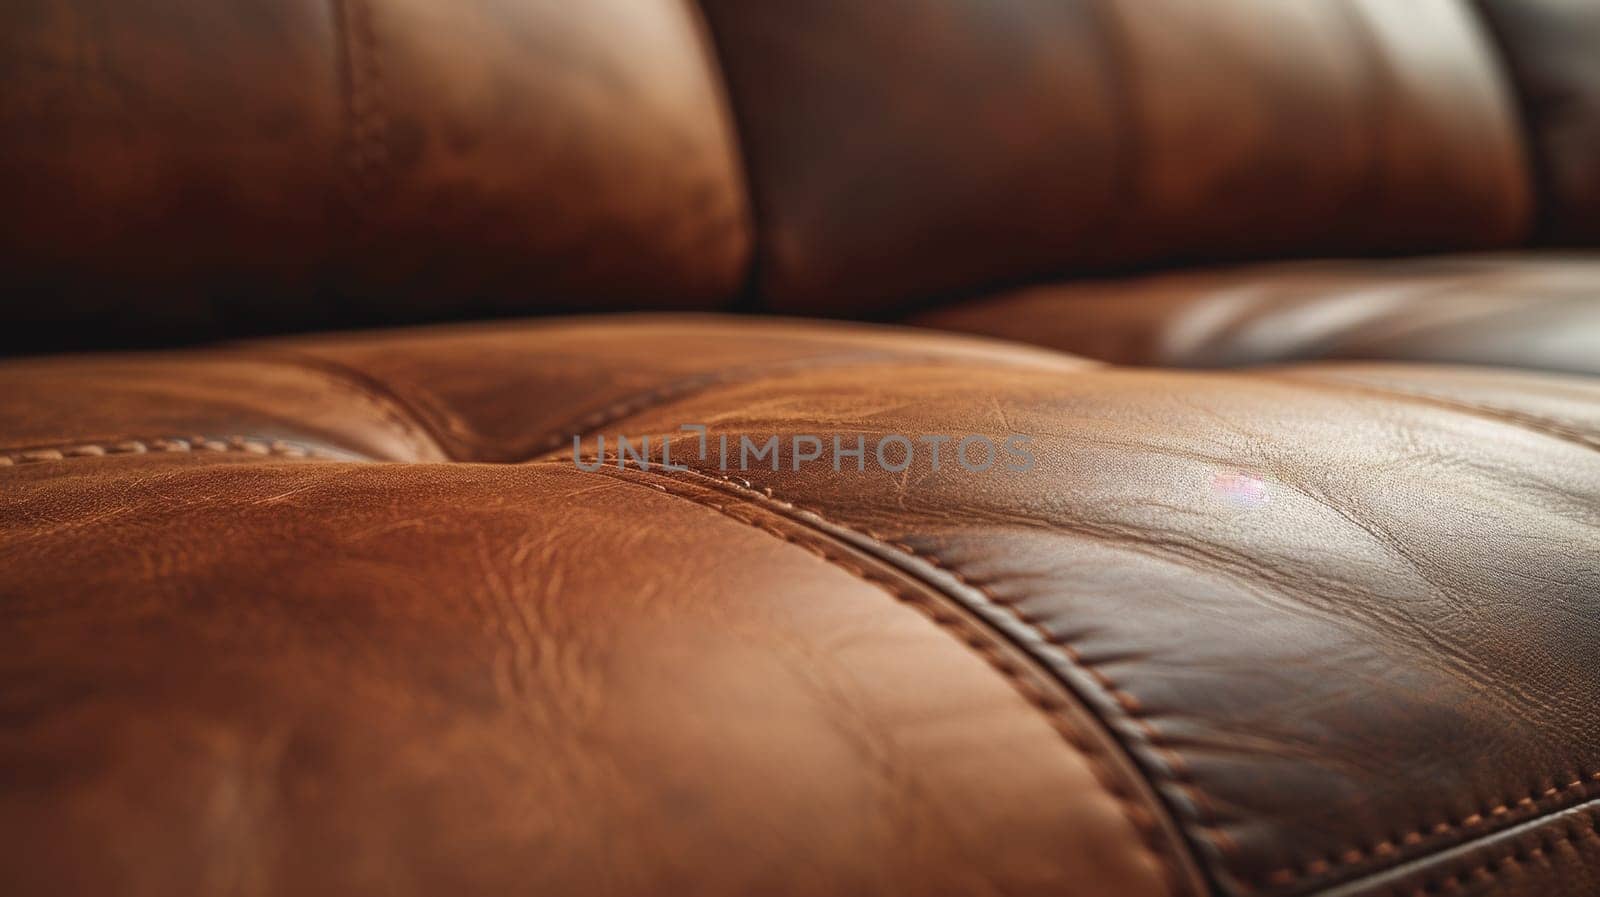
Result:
x=903 y=150
x=1530 y=311
x=191 y=168
x=183 y=646
x=1388 y=655
x=384 y=612
x=1376 y=669
x=229 y=674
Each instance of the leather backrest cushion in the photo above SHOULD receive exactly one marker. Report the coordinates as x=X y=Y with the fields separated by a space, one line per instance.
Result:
x=1553 y=50
x=196 y=167
x=903 y=149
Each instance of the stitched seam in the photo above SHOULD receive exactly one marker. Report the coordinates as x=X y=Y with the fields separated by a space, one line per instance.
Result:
x=1490 y=870
x=1178 y=773
x=1133 y=810
x=1501 y=810
x=196 y=444
x=366 y=119
x=419 y=434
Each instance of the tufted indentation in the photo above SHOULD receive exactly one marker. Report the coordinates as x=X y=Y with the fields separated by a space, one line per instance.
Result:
x=507 y=392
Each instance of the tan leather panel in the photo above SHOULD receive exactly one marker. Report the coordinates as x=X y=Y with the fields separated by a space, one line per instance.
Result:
x=1530 y=311
x=263 y=678
x=904 y=149
x=193 y=168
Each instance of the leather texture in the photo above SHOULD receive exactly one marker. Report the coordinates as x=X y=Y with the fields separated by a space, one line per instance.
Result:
x=905 y=149
x=1286 y=582
x=190 y=169
x=1549 y=47
x=216 y=711
x=1525 y=311
x=478 y=663
x=285 y=730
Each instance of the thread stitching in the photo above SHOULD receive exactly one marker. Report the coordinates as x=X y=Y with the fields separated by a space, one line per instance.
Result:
x=248 y=445
x=412 y=423
x=1359 y=854
x=367 y=121
x=1178 y=773
x=1500 y=809
x=1133 y=809
x=1490 y=870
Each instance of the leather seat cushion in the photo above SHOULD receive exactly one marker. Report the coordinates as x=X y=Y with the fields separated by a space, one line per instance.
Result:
x=905 y=150
x=1531 y=311
x=210 y=170
x=1266 y=631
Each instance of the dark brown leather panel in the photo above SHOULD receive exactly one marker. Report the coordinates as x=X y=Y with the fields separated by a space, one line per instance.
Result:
x=903 y=149
x=1529 y=311
x=323 y=678
x=194 y=168
x=1552 y=48
x=1341 y=625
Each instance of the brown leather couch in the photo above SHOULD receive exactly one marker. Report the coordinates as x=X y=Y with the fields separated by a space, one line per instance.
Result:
x=291 y=612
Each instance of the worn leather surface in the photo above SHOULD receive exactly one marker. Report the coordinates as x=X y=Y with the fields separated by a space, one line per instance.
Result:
x=1549 y=48
x=225 y=674
x=1526 y=311
x=907 y=149
x=189 y=168
x=385 y=612
x=262 y=662
x=1276 y=632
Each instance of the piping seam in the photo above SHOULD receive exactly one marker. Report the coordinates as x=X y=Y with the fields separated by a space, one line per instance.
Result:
x=195 y=444
x=1149 y=835
x=1177 y=773
x=1359 y=854
x=1490 y=870
x=420 y=434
